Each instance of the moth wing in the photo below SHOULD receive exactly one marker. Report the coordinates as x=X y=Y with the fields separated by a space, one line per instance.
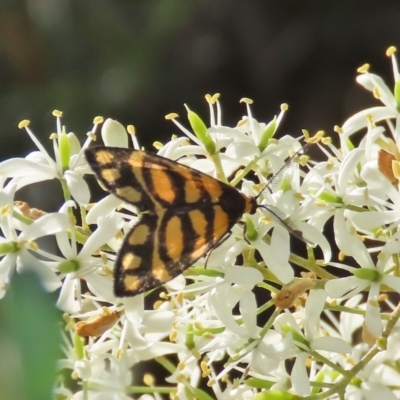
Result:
x=120 y=171
x=149 y=181
x=159 y=248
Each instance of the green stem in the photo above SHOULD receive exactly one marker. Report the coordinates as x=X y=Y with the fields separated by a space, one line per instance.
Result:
x=244 y=172
x=171 y=368
x=310 y=266
x=218 y=167
x=65 y=189
x=326 y=361
x=20 y=217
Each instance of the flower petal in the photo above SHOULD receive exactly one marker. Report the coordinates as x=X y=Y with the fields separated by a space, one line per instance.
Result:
x=20 y=167
x=6 y=269
x=333 y=344
x=101 y=286
x=78 y=187
x=372 y=219
x=244 y=276
x=376 y=390
x=274 y=256
x=337 y=288
x=46 y=225
x=314 y=306
x=107 y=228
x=248 y=310
x=359 y=121
x=66 y=299
x=300 y=381
x=114 y=133
x=103 y=208
x=350 y=243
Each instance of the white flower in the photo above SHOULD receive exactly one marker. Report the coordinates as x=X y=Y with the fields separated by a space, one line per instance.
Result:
x=368 y=275
x=98 y=366
x=18 y=245
x=380 y=90
x=68 y=166
x=309 y=341
x=82 y=265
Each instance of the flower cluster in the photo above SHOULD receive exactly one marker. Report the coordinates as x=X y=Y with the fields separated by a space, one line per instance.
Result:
x=242 y=323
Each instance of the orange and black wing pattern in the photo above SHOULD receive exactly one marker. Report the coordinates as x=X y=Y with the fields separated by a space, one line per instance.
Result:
x=184 y=214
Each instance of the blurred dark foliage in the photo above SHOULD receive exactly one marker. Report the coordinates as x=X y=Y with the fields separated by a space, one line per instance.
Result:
x=136 y=61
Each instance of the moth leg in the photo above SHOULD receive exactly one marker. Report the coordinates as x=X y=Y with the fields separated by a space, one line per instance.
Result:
x=215 y=245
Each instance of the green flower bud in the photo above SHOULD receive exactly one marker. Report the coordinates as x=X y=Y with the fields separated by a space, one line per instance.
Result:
x=368 y=274
x=68 y=266
x=65 y=150
x=200 y=130
x=251 y=231
x=268 y=133
x=7 y=248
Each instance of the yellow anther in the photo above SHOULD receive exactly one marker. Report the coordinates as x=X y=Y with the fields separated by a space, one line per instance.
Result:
x=326 y=140
x=173 y=336
x=370 y=120
x=158 y=145
x=204 y=368
x=131 y=130
x=157 y=304
x=363 y=69
x=57 y=113
x=179 y=298
x=24 y=124
x=284 y=107
x=338 y=129
x=373 y=302
x=242 y=122
x=181 y=365
x=171 y=116
x=215 y=97
x=120 y=353
x=33 y=246
x=148 y=379
x=376 y=92
x=391 y=50
x=196 y=354
x=198 y=325
x=98 y=120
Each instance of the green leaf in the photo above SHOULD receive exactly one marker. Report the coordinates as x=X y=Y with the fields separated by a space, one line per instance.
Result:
x=29 y=340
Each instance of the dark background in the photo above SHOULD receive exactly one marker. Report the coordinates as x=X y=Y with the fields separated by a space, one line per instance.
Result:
x=136 y=61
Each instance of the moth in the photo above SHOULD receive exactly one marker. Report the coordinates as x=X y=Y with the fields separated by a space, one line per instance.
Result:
x=184 y=214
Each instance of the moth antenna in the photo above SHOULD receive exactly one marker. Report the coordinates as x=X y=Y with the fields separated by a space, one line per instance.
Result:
x=279 y=218
x=281 y=175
